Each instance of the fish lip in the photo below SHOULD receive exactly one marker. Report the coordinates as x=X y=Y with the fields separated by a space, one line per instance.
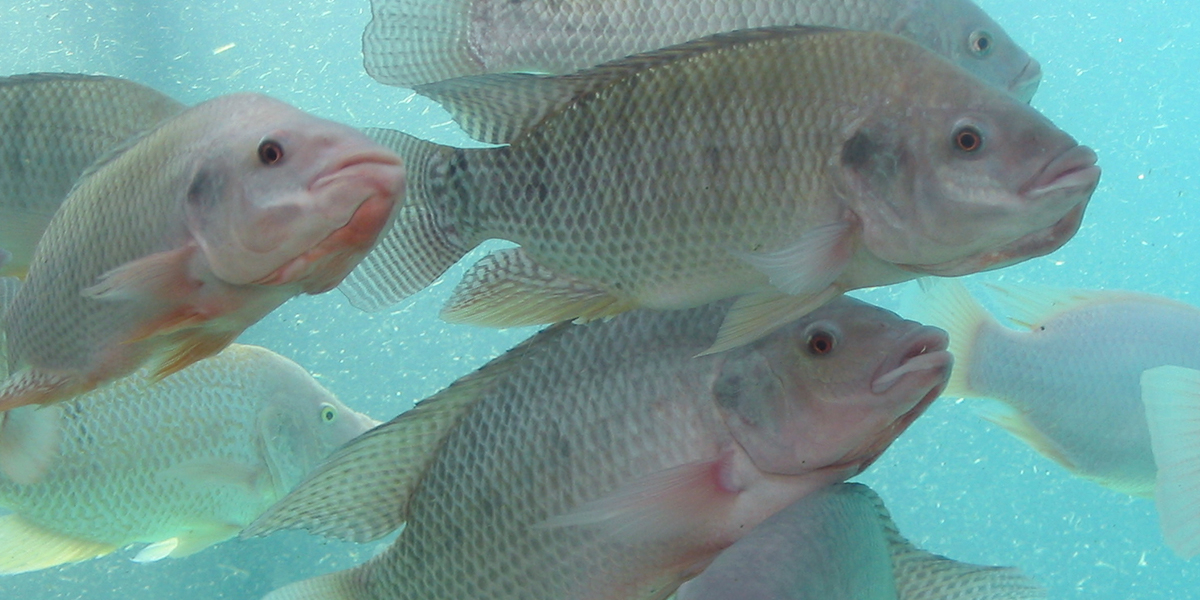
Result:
x=1074 y=169
x=365 y=157
x=1026 y=83
x=924 y=350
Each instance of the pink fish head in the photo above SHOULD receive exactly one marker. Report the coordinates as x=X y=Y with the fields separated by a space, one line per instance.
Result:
x=833 y=389
x=286 y=198
x=949 y=176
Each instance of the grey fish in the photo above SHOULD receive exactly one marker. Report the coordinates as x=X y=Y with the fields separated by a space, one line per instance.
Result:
x=840 y=543
x=180 y=463
x=411 y=42
x=783 y=165
x=604 y=461
x=171 y=246
x=52 y=126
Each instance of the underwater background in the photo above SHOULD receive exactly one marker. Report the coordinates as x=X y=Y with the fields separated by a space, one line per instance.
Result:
x=1122 y=78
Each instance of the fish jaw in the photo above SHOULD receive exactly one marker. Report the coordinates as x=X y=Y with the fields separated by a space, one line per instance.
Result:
x=1067 y=180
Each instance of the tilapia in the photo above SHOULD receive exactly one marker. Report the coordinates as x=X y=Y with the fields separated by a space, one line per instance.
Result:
x=411 y=42
x=840 y=543
x=1068 y=383
x=180 y=463
x=164 y=252
x=604 y=461
x=782 y=165
x=52 y=126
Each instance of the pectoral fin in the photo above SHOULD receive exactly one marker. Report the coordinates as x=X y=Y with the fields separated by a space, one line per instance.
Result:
x=509 y=289
x=206 y=473
x=161 y=276
x=27 y=547
x=811 y=264
x=756 y=315
x=1172 y=398
x=29 y=442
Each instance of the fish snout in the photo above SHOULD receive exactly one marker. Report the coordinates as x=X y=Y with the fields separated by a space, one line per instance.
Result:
x=921 y=361
x=1072 y=173
x=1026 y=83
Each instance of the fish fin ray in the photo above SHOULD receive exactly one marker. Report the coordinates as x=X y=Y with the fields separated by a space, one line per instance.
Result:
x=30 y=439
x=509 y=289
x=205 y=473
x=361 y=492
x=947 y=304
x=657 y=507
x=1014 y=421
x=27 y=547
x=410 y=43
x=190 y=345
x=416 y=250
x=498 y=108
x=754 y=315
x=30 y=386
x=808 y=266
x=1031 y=305
x=1172 y=398
x=159 y=276
x=339 y=585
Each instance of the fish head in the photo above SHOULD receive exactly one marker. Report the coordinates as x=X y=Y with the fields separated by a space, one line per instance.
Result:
x=831 y=390
x=949 y=176
x=301 y=423
x=960 y=31
x=283 y=197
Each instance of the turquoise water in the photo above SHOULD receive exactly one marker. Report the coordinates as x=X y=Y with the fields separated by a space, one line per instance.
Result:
x=1120 y=79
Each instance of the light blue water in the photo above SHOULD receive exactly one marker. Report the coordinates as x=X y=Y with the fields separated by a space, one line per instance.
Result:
x=1121 y=79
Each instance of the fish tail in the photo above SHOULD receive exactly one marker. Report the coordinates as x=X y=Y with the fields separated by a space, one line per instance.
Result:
x=948 y=304
x=1172 y=398
x=339 y=585
x=409 y=42
x=418 y=248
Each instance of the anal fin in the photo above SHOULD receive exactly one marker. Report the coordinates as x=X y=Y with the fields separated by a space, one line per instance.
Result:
x=509 y=288
x=27 y=547
x=191 y=345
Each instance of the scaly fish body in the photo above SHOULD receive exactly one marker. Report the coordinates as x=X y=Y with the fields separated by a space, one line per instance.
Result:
x=604 y=461
x=409 y=42
x=52 y=126
x=170 y=248
x=181 y=463
x=1069 y=383
x=840 y=543
x=782 y=165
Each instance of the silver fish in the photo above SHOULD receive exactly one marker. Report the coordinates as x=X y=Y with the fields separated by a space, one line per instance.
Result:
x=603 y=461
x=783 y=166
x=840 y=543
x=168 y=249
x=52 y=126
x=411 y=42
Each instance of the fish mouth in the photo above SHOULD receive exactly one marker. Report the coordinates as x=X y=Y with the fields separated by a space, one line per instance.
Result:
x=1072 y=172
x=1025 y=84
x=366 y=164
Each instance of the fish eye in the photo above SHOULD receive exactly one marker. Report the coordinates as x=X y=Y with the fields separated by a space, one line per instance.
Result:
x=270 y=152
x=980 y=43
x=968 y=139
x=821 y=342
x=329 y=414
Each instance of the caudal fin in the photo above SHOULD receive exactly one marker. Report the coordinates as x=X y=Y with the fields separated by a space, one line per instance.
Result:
x=417 y=249
x=410 y=42
x=1172 y=398
x=948 y=304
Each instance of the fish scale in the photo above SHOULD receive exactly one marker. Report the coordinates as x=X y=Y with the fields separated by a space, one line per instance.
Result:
x=600 y=461
x=194 y=457
x=783 y=165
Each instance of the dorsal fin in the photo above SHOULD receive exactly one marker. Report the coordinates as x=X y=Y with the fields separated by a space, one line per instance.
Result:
x=499 y=108
x=1031 y=305
x=362 y=491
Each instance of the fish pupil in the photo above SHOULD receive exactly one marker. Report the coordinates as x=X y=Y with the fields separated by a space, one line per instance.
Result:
x=968 y=139
x=270 y=152
x=820 y=343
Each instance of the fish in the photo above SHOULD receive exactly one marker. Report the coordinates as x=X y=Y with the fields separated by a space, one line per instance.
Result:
x=1069 y=382
x=179 y=463
x=52 y=127
x=170 y=247
x=413 y=42
x=840 y=543
x=782 y=166
x=606 y=461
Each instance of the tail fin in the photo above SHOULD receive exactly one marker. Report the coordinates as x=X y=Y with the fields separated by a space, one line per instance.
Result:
x=1172 y=398
x=418 y=248
x=948 y=304
x=410 y=42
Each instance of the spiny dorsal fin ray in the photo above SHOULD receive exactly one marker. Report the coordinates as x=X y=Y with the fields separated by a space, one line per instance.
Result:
x=499 y=108
x=361 y=492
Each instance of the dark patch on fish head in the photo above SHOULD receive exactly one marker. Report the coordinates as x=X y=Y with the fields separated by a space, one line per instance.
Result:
x=207 y=187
